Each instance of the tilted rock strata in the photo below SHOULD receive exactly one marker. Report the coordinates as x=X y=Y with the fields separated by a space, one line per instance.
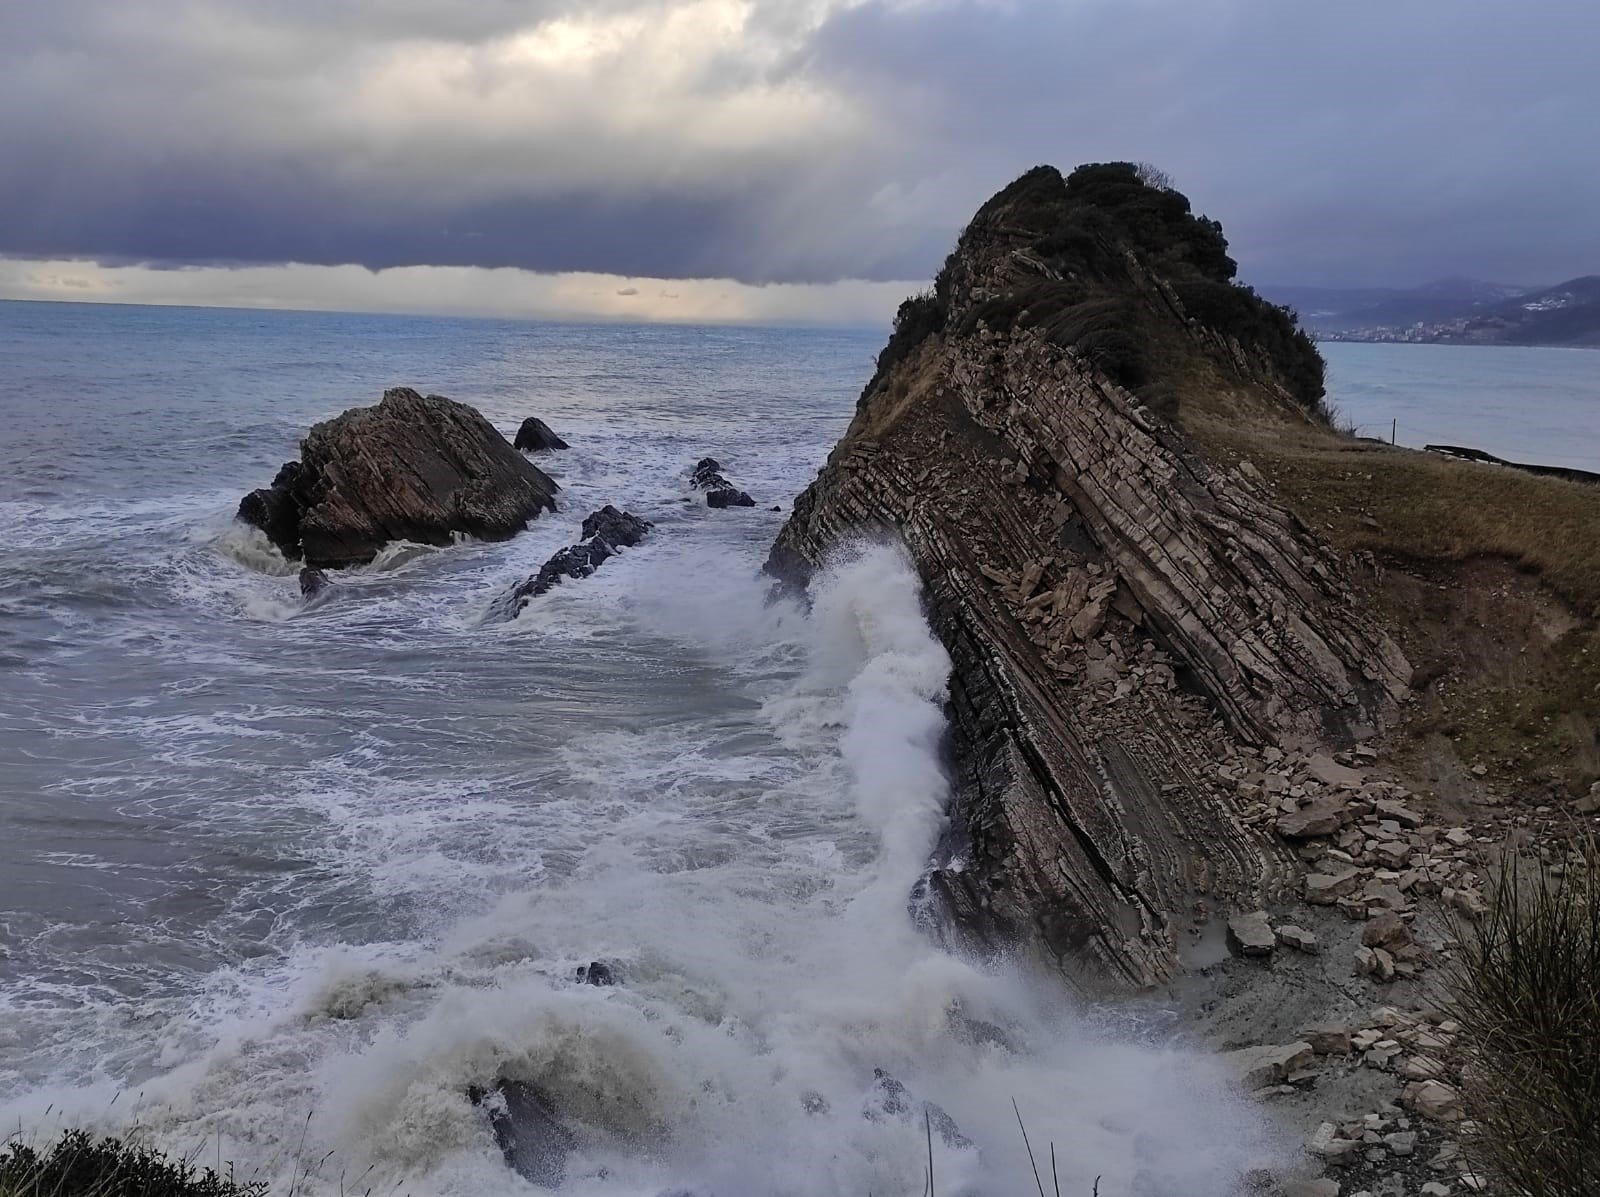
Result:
x=409 y=468
x=1121 y=618
x=604 y=532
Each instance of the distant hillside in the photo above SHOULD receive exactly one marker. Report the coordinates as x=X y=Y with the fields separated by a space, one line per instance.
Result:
x=1453 y=311
x=1330 y=309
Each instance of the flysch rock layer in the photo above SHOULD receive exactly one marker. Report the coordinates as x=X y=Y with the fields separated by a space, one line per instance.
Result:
x=1119 y=615
x=408 y=468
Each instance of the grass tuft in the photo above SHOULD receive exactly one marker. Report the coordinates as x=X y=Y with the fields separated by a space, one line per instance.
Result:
x=78 y=1165
x=1527 y=996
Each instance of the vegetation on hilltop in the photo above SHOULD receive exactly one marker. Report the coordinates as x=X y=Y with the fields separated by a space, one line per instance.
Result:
x=1110 y=252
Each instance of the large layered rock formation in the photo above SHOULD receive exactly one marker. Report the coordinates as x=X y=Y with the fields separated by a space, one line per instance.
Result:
x=1122 y=613
x=408 y=468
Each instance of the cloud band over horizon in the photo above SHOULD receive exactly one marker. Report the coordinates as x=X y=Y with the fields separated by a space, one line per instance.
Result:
x=792 y=142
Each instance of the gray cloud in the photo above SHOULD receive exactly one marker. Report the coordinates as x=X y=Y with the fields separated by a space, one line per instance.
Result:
x=791 y=140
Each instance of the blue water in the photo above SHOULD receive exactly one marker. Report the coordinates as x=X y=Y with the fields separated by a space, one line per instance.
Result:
x=280 y=883
x=1534 y=405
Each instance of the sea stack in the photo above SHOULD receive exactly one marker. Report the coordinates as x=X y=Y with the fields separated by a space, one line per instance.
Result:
x=414 y=468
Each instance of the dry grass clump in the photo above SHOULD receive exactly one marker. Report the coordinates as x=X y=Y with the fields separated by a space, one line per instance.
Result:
x=78 y=1165
x=1527 y=996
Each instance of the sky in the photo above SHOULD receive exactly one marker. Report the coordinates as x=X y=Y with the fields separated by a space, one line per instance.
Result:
x=768 y=160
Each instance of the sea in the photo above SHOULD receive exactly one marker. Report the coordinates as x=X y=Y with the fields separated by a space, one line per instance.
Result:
x=286 y=887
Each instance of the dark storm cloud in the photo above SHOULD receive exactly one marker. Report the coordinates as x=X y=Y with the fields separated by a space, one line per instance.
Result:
x=797 y=140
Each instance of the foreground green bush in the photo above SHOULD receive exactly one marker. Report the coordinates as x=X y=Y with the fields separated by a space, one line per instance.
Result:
x=80 y=1166
x=1527 y=996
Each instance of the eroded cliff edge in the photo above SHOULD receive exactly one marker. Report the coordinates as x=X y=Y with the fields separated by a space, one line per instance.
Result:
x=1123 y=614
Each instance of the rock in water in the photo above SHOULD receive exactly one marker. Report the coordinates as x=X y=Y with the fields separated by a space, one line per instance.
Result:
x=409 y=468
x=728 y=496
x=707 y=476
x=535 y=436
x=312 y=582
x=527 y=1131
x=604 y=532
x=707 y=473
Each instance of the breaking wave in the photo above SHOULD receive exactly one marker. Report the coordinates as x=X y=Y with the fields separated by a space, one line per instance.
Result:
x=779 y=1021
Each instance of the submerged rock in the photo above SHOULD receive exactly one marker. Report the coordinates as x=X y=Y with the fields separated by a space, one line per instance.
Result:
x=535 y=436
x=707 y=476
x=597 y=972
x=312 y=582
x=728 y=496
x=889 y=1098
x=527 y=1130
x=408 y=468
x=604 y=531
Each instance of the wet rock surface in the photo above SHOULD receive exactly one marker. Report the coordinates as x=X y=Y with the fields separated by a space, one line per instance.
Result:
x=414 y=468
x=604 y=532
x=707 y=476
x=312 y=582
x=527 y=1130
x=535 y=436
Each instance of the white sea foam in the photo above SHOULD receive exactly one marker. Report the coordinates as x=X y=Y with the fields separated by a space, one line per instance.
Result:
x=747 y=876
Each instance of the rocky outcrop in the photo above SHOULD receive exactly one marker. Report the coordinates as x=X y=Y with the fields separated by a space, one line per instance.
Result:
x=409 y=468
x=1124 y=617
x=604 y=532
x=312 y=582
x=535 y=436
x=707 y=476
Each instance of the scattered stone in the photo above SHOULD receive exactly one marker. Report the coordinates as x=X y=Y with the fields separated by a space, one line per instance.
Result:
x=1374 y=962
x=1328 y=1040
x=1327 y=1144
x=1431 y=1099
x=1399 y=812
x=1322 y=817
x=535 y=436
x=1402 y=1143
x=1299 y=939
x=1324 y=889
x=1268 y=1065
x=1422 y=1068
x=1251 y=934
x=1330 y=773
x=1386 y=930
